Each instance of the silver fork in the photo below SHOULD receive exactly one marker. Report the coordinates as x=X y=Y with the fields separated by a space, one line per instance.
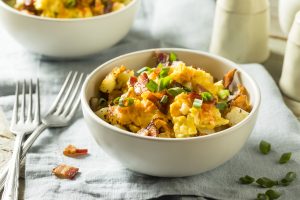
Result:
x=20 y=127
x=60 y=113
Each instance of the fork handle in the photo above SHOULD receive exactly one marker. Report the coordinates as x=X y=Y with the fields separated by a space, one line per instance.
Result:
x=12 y=182
x=26 y=145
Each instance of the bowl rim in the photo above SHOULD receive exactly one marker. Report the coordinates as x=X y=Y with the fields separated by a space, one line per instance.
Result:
x=66 y=20
x=85 y=105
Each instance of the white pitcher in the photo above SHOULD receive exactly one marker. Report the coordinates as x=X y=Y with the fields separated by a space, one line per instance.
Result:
x=241 y=30
x=287 y=11
x=290 y=77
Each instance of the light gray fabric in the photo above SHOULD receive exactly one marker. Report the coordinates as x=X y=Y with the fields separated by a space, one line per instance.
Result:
x=167 y=23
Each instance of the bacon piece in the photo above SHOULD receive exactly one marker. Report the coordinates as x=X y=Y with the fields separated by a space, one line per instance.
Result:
x=162 y=58
x=140 y=85
x=228 y=78
x=132 y=81
x=65 y=171
x=72 y=151
x=156 y=127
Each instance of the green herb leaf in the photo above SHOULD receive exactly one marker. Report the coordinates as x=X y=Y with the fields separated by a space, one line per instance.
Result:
x=197 y=103
x=266 y=182
x=70 y=3
x=152 y=86
x=164 y=99
x=288 y=179
x=222 y=106
x=273 y=194
x=126 y=102
x=264 y=147
x=246 y=180
x=164 y=83
x=206 y=96
x=144 y=69
x=261 y=196
x=164 y=72
x=285 y=158
x=173 y=57
x=175 y=91
x=223 y=94
x=116 y=100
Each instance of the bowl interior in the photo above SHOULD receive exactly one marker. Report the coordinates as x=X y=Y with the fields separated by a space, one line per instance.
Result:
x=215 y=65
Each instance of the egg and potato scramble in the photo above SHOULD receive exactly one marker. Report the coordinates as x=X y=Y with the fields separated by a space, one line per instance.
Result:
x=170 y=100
x=68 y=8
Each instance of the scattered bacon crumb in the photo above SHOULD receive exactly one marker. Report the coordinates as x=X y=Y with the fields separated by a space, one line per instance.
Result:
x=65 y=171
x=72 y=151
x=227 y=79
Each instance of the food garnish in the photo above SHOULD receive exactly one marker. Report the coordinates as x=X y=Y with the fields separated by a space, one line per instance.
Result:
x=246 y=180
x=186 y=98
x=266 y=182
x=65 y=171
x=288 y=179
x=264 y=147
x=72 y=151
x=285 y=158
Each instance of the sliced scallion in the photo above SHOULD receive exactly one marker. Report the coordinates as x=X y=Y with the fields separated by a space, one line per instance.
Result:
x=144 y=69
x=222 y=106
x=152 y=86
x=285 y=158
x=264 y=147
x=197 y=103
x=164 y=72
x=223 y=94
x=173 y=57
x=175 y=91
x=164 y=99
x=206 y=96
x=126 y=102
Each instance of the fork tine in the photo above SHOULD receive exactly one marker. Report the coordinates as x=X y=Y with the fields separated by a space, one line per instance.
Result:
x=71 y=99
x=60 y=94
x=37 y=115
x=63 y=102
x=29 y=113
x=22 y=115
x=74 y=108
x=16 y=105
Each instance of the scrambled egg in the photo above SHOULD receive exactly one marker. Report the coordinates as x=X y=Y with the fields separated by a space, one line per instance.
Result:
x=160 y=101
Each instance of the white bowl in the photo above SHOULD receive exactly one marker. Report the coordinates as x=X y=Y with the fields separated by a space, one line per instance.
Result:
x=67 y=38
x=169 y=157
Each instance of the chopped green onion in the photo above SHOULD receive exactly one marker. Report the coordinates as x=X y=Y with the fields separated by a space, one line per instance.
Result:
x=264 y=147
x=126 y=102
x=266 y=182
x=273 y=194
x=164 y=99
x=70 y=3
x=164 y=83
x=289 y=177
x=164 y=72
x=160 y=65
x=187 y=89
x=116 y=100
x=285 y=158
x=223 y=94
x=173 y=57
x=197 y=103
x=246 y=179
x=222 y=106
x=152 y=86
x=261 y=196
x=206 y=96
x=175 y=91
x=144 y=69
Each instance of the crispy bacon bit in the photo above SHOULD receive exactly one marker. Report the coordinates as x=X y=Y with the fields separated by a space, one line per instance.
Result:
x=227 y=79
x=65 y=171
x=140 y=85
x=241 y=99
x=193 y=96
x=156 y=127
x=162 y=57
x=72 y=151
x=132 y=81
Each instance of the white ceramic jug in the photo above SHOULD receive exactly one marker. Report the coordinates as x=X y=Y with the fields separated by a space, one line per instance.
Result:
x=287 y=11
x=290 y=77
x=241 y=30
